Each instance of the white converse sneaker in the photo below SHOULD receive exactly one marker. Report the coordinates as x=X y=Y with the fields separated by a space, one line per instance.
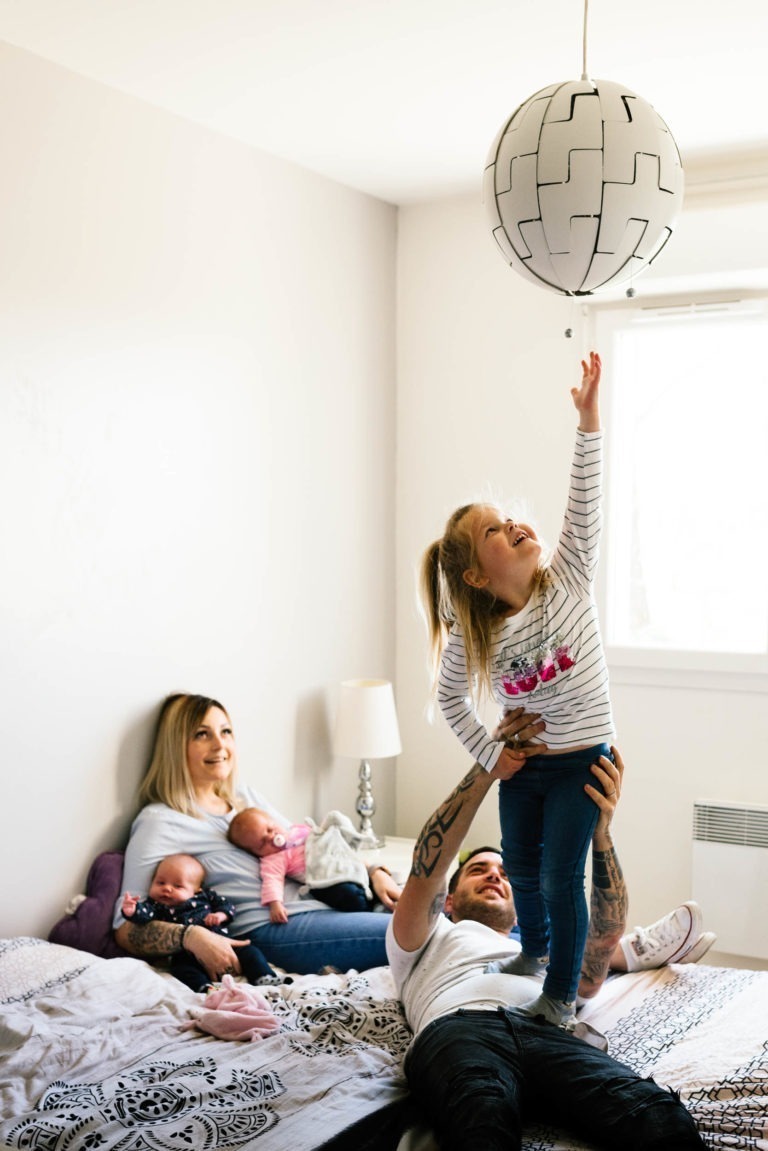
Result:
x=699 y=948
x=665 y=941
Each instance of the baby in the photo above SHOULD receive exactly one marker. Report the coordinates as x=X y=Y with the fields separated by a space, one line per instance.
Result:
x=177 y=895
x=343 y=886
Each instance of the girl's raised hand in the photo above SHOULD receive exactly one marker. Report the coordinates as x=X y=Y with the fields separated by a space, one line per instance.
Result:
x=586 y=396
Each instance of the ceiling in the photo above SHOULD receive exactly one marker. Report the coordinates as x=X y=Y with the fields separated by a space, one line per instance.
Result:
x=402 y=98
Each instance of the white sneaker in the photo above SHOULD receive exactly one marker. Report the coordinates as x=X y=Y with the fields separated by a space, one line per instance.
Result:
x=665 y=941
x=699 y=948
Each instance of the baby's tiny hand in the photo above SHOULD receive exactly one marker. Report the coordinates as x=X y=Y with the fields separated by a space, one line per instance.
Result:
x=215 y=918
x=129 y=904
x=277 y=912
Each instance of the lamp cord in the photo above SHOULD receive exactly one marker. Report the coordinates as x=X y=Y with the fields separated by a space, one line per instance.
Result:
x=584 y=74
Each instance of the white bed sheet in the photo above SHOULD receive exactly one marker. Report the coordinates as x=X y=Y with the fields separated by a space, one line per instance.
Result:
x=97 y=1054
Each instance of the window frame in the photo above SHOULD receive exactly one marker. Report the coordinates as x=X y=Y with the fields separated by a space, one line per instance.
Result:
x=648 y=665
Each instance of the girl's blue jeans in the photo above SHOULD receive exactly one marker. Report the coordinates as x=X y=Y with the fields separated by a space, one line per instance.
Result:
x=547 y=821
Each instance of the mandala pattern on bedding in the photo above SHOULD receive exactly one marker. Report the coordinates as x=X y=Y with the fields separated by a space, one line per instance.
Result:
x=169 y=1105
x=340 y=1021
x=160 y=1106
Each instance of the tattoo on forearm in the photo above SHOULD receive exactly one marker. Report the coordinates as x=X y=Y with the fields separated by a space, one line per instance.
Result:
x=607 y=918
x=429 y=846
x=609 y=892
x=155 y=938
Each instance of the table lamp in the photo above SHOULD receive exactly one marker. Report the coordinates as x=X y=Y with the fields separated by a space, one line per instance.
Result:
x=366 y=728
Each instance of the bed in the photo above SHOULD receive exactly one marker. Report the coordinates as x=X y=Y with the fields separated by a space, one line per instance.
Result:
x=106 y=1054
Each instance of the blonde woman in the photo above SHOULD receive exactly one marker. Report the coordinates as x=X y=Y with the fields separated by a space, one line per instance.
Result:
x=189 y=796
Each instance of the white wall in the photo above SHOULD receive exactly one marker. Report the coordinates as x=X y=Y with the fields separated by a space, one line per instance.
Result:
x=483 y=378
x=197 y=473
x=197 y=481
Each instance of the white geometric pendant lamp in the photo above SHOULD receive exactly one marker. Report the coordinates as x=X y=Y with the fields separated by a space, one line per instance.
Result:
x=583 y=185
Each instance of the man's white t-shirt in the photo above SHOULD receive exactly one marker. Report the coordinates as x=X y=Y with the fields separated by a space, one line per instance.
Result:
x=448 y=972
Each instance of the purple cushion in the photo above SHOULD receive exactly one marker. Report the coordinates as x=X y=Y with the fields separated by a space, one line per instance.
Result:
x=89 y=928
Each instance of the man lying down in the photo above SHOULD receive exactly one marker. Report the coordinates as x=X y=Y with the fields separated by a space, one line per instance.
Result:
x=478 y=1068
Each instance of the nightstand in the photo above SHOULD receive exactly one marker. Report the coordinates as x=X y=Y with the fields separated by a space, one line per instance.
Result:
x=396 y=855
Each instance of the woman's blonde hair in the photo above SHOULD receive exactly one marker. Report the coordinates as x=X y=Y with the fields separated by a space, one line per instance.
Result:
x=167 y=780
x=448 y=599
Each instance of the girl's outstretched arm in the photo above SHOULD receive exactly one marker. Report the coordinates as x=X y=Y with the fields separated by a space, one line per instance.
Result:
x=586 y=396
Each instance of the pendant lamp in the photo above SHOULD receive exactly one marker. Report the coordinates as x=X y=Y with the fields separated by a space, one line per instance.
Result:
x=583 y=185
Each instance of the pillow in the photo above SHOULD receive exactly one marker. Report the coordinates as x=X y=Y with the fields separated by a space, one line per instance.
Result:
x=89 y=926
x=30 y=967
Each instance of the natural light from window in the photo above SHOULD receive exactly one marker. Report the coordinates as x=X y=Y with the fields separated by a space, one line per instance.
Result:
x=686 y=544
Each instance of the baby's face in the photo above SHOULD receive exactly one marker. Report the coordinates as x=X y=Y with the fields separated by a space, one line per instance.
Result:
x=172 y=884
x=257 y=834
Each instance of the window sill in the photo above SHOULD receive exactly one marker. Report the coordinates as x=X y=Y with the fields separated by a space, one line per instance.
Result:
x=702 y=671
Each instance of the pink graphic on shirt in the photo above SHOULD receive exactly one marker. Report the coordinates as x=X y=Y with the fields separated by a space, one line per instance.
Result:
x=529 y=680
x=524 y=674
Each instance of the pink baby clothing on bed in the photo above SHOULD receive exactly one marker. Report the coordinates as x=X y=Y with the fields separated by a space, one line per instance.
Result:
x=235 y=1011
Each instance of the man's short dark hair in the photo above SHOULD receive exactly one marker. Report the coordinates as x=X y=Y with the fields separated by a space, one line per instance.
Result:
x=464 y=858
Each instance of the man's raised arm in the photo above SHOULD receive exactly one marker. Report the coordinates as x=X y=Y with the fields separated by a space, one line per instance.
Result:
x=608 y=901
x=423 y=897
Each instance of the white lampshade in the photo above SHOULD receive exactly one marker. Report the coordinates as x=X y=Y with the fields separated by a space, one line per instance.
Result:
x=583 y=186
x=366 y=722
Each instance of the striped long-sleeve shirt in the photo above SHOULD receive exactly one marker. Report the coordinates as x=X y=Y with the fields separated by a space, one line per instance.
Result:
x=548 y=657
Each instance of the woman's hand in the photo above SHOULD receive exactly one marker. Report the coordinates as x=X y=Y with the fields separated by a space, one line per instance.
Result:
x=609 y=776
x=517 y=727
x=386 y=890
x=217 y=953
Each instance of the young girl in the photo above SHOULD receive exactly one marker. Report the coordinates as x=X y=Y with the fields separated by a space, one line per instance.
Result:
x=505 y=623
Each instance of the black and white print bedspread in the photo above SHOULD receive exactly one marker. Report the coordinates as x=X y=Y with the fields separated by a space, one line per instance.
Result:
x=702 y=1031
x=95 y=1055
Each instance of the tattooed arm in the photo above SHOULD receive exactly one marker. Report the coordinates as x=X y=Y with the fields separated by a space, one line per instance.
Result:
x=217 y=953
x=423 y=897
x=608 y=903
x=150 y=940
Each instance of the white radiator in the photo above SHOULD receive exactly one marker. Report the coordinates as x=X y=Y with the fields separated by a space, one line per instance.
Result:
x=730 y=874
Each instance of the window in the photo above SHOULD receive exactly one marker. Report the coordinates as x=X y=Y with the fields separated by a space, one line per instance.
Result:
x=685 y=554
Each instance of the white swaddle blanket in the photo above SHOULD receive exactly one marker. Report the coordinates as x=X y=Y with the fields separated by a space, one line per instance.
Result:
x=331 y=851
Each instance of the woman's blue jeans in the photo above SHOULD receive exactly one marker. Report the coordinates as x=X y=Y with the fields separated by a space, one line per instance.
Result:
x=480 y=1075
x=547 y=821
x=314 y=939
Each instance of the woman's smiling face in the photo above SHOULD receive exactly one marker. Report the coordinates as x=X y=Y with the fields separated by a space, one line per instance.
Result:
x=211 y=751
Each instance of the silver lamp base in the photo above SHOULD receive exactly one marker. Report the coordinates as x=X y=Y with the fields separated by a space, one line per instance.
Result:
x=366 y=805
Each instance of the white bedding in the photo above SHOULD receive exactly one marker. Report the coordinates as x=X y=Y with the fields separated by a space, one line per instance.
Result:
x=94 y=1054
